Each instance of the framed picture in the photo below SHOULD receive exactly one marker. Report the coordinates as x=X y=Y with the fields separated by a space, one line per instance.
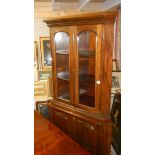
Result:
x=116 y=82
x=35 y=55
x=45 y=50
x=116 y=123
x=45 y=74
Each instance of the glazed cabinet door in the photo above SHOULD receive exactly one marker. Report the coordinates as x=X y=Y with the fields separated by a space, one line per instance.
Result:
x=62 y=60
x=87 y=70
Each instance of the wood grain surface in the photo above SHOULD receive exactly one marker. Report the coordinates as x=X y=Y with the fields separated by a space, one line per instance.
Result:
x=49 y=140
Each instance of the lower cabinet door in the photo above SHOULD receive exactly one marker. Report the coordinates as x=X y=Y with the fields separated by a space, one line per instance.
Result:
x=61 y=120
x=81 y=130
x=85 y=133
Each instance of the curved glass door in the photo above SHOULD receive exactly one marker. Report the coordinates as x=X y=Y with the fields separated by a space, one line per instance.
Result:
x=62 y=65
x=87 y=52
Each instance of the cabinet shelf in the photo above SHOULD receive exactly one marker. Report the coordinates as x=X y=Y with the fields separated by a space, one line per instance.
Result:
x=82 y=53
x=63 y=75
x=87 y=79
x=66 y=95
x=85 y=53
x=64 y=52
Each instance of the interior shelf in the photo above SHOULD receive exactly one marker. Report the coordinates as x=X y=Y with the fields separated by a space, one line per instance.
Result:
x=66 y=95
x=82 y=53
x=62 y=52
x=83 y=78
x=85 y=53
x=63 y=75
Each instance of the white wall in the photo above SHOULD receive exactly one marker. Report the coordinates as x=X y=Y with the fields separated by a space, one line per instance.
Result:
x=40 y=29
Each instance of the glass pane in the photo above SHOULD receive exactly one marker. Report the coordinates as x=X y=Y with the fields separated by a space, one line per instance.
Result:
x=47 y=53
x=87 y=51
x=62 y=65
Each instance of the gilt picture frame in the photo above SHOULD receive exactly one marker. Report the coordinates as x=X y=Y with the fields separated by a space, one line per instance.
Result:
x=116 y=82
x=45 y=50
x=35 y=55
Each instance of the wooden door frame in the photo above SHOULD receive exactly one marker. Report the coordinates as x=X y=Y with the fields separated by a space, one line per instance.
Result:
x=53 y=31
x=98 y=29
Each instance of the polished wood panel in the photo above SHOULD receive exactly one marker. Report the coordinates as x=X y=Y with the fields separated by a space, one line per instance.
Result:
x=61 y=120
x=105 y=139
x=106 y=65
x=49 y=140
x=82 y=19
x=85 y=133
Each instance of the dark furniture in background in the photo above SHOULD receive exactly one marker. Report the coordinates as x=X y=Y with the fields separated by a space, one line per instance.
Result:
x=82 y=48
x=116 y=123
x=43 y=110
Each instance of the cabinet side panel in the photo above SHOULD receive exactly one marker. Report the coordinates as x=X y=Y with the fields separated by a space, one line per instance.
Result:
x=104 y=146
x=53 y=62
x=106 y=65
x=71 y=65
x=98 y=67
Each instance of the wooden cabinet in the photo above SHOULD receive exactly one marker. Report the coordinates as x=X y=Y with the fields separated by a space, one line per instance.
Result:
x=82 y=48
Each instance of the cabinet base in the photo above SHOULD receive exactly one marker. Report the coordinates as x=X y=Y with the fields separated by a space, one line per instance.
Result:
x=90 y=130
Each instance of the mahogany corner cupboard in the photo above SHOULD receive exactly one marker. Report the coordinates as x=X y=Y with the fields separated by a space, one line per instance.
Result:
x=82 y=47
